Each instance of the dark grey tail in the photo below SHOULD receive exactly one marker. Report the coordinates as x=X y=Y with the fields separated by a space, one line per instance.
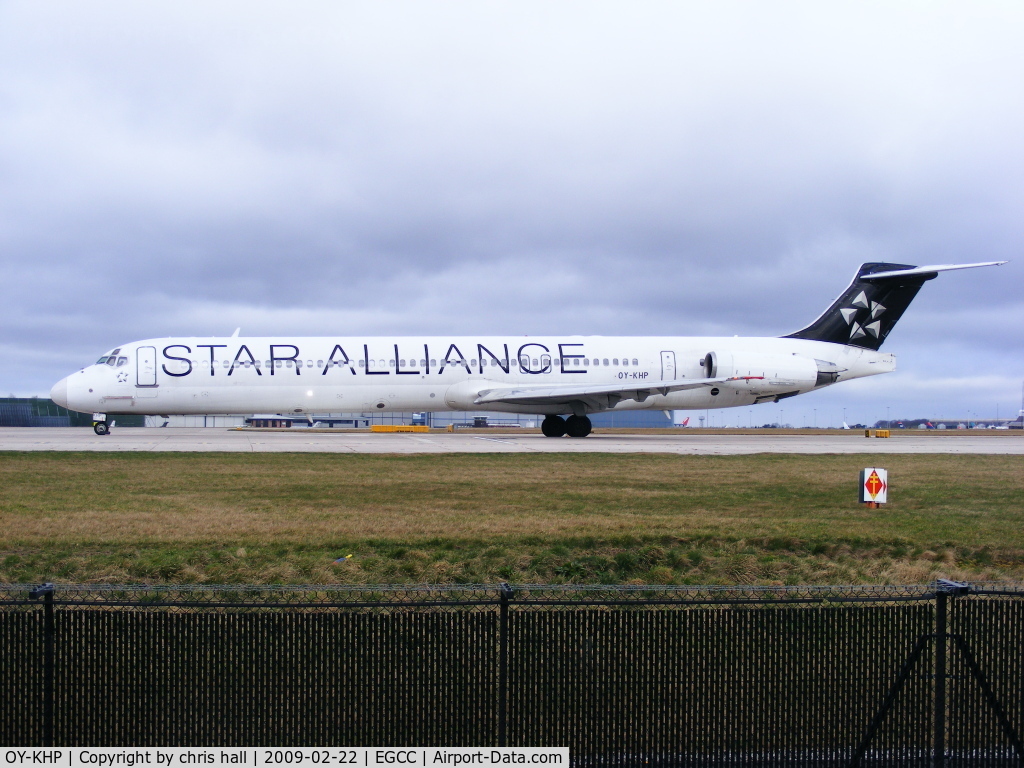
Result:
x=869 y=308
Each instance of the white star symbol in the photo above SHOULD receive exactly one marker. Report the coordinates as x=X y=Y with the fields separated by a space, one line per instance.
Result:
x=857 y=330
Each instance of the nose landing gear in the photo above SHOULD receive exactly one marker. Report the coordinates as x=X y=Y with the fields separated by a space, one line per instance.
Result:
x=99 y=424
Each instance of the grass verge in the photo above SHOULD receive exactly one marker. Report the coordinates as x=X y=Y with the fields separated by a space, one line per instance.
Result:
x=589 y=518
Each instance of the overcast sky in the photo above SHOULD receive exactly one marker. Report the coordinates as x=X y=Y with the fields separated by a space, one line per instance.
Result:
x=328 y=168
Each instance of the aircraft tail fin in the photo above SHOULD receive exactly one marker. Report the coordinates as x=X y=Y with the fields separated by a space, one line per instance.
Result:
x=868 y=309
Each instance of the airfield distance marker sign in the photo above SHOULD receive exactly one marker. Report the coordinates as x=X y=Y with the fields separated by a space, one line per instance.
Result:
x=874 y=486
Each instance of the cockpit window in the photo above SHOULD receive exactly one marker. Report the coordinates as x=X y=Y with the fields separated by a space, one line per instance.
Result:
x=112 y=360
x=102 y=360
x=121 y=361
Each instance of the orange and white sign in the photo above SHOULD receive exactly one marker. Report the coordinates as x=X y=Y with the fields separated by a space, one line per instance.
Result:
x=874 y=485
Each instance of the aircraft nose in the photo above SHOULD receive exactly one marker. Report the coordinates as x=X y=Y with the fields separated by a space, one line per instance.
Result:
x=59 y=393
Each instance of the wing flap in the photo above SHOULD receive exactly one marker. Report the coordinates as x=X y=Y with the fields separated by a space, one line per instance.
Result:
x=601 y=396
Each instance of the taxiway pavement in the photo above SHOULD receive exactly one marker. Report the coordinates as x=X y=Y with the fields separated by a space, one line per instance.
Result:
x=301 y=440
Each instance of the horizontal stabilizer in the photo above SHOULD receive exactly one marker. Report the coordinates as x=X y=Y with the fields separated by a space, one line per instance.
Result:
x=933 y=269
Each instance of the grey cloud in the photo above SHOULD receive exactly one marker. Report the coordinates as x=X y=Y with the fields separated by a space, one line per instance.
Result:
x=582 y=167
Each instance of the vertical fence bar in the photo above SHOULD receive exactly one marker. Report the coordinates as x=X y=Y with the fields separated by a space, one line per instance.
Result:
x=939 y=740
x=506 y=594
x=45 y=591
x=944 y=590
x=48 y=667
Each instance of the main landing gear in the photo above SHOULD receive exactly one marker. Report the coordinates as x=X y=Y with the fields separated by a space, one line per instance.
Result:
x=574 y=426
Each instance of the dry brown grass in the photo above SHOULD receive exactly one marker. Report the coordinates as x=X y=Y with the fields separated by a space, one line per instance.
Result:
x=277 y=517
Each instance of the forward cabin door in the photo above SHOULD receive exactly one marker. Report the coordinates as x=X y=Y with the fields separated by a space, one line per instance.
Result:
x=145 y=367
x=668 y=366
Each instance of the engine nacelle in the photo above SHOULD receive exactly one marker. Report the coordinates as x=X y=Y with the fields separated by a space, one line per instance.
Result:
x=777 y=370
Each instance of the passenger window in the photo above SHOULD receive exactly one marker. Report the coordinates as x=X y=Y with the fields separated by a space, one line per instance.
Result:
x=433 y=361
x=635 y=362
x=319 y=363
x=360 y=363
x=391 y=363
x=586 y=362
x=423 y=363
x=606 y=361
x=372 y=364
x=615 y=361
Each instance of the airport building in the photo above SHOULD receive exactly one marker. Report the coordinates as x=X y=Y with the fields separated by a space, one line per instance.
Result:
x=43 y=412
x=966 y=422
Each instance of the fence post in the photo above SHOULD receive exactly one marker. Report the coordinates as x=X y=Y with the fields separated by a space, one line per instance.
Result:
x=506 y=594
x=45 y=591
x=939 y=739
x=943 y=590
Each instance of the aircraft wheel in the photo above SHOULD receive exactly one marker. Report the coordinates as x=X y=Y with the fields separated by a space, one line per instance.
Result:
x=553 y=426
x=101 y=428
x=577 y=426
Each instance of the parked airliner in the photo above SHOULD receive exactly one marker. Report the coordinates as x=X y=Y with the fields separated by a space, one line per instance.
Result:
x=563 y=377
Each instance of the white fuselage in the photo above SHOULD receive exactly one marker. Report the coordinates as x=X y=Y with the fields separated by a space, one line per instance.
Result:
x=325 y=374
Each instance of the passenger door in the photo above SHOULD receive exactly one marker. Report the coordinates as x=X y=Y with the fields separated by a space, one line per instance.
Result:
x=145 y=367
x=668 y=366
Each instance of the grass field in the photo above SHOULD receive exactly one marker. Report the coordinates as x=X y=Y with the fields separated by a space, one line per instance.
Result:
x=590 y=518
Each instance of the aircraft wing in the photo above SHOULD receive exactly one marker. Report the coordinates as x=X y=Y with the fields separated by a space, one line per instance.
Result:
x=598 y=397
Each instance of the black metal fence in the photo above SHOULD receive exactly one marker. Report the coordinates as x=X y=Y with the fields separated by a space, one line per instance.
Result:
x=927 y=675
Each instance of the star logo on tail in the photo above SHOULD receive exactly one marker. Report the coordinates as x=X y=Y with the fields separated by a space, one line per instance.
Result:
x=862 y=316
